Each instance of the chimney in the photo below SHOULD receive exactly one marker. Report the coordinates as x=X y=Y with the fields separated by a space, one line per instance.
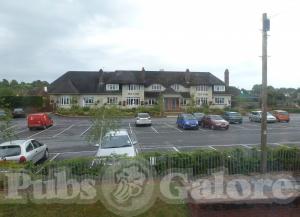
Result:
x=100 y=82
x=187 y=76
x=143 y=74
x=226 y=77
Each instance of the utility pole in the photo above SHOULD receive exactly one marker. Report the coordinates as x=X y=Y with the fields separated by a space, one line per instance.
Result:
x=264 y=94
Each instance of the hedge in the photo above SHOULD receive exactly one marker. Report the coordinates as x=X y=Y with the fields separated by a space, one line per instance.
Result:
x=22 y=101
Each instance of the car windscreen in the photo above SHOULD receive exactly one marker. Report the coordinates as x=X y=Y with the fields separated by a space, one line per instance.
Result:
x=283 y=113
x=18 y=110
x=143 y=115
x=234 y=114
x=10 y=151
x=189 y=117
x=216 y=117
x=116 y=141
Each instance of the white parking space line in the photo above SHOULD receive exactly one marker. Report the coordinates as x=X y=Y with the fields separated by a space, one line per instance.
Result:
x=173 y=127
x=21 y=131
x=84 y=132
x=212 y=148
x=55 y=156
x=74 y=152
x=176 y=149
x=39 y=133
x=13 y=126
x=63 y=131
x=130 y=128
x=154 y=129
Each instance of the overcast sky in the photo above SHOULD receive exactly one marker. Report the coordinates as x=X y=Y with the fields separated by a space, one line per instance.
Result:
x=42 y=39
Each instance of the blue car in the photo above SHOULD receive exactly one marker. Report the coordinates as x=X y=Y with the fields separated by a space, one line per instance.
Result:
x=187 y=121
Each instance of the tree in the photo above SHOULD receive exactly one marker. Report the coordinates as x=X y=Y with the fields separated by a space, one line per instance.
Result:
x=7 y=132
x=14 y=83
x=104 y=121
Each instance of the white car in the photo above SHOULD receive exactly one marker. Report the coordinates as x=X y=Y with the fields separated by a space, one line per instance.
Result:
x=23 y=151
x=257 y=115
x=118 y=142
x=143 y=119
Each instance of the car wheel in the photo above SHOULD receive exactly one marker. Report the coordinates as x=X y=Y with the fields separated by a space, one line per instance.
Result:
x=44 y=127
x=31 y=128
x=197 y=128
x=46 y=155
x=226 y=128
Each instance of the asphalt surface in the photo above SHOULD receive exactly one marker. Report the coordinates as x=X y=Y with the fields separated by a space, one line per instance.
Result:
x=67 y=138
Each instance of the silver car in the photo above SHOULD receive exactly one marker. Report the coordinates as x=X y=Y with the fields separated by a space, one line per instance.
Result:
x=256 y=116
x=143 y=119
x=118 y=142
x=23 y=151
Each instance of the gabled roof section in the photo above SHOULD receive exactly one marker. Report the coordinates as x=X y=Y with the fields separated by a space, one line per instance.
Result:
x=93 y=82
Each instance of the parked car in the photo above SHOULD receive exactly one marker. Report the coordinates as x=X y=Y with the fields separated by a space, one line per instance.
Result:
x=18 y=113
x=143 y=119
x=215 y=122
x=233 y=117
x=118 y=142
x=281 y=115
x=187 y=121
x=2 y=114
x=256 y=116
x=39 y=120
x=199 y=116
x=23 y=151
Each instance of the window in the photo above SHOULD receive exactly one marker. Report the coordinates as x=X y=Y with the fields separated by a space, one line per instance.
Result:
x=89 y=100
x=64 y=100
x=29 y=148
x=219 y=88
x=133 y=87
x=133 y=101
x=202 y=88
x=201 y=101
x=156 y=87
x=112 y=100
x=112 y=87
x=219 y=100
x=175 y=87
x=184 y=102
x=151 y=101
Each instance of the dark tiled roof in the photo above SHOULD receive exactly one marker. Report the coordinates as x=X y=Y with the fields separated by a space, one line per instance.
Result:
x=84 y=82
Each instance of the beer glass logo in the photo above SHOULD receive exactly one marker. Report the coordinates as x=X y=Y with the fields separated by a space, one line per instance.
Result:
x=130 y=183
x=127 y=188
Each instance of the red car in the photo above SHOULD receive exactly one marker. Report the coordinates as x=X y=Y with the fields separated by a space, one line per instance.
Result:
x=39 y=120
x=214 y=122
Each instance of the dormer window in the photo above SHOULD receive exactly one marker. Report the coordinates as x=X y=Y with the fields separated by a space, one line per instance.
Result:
x=219 y=88
x=156 y=87
x=112 y=87
x=175 y=87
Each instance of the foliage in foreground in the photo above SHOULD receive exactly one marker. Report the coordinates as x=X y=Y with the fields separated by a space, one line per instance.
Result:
x=200 y=162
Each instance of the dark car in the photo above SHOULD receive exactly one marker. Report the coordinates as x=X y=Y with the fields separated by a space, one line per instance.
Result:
x=233 y=117
x=214 y=122
x=18 y=113
x=199 y=116
x=187 y=121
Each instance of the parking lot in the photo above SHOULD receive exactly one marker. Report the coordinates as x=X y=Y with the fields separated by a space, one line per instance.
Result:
x=67 y=138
